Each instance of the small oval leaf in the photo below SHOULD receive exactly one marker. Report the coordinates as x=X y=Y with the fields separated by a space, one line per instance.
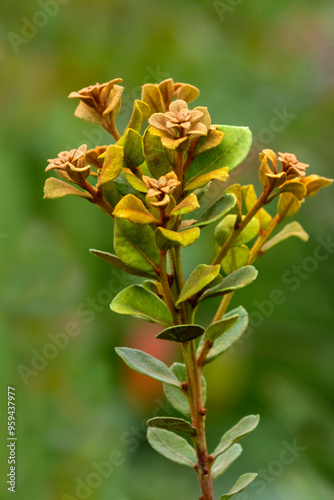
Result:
x=215 y=330
x=234 y=281
x=141 y=303
x=133 y=209
x=238 y=431
x=240 y=485
x=223 y=343
x=226 y=226
x=291 y=229
x=145 y=364
x=181 y=333
x=199 y=278
x=172 y=424
x=171 y=446
x=224 y=460
x=189 y=204
x=167 y=239
x=235 y=258
x=113 y=260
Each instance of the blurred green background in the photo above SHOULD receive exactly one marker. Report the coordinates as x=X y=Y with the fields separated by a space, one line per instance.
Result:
x=77 y=405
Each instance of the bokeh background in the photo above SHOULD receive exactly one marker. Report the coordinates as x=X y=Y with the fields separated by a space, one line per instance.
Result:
x=77 y=405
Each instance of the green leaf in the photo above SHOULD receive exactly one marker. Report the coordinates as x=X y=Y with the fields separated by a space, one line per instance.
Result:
x=145 y=364
x=137 y=301
x=132 y=143
x=234 y=281
x=224 y=460
x=140 y=113
x=55 y=188
x=172 y=424
x=199 y=278
x=176 y=396
x=113 y=260
x=135 y=182
x=226 y=227
x=298 y=189
x=112 y=165
x=220 y=175
x=156 y=158
x=223 y=343
x=181 y=333
x=135 y=245
x=238 y=431
x=132 y=208
x=212 y=140
x=216 y=211
x=171 y=446
x=291 y=229
x=215 y=330
x=288 y=205
x=167 y=239
x=250 y=200
x=235 y=258
x=240 y=485
x=189 y=204
x=230 y=152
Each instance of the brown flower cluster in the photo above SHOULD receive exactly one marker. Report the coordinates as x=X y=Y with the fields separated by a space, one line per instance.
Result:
x=99 y=102
x=161 y=188
x=180 y=121
x=291 y=166
x=160 y=95
x=71 y=165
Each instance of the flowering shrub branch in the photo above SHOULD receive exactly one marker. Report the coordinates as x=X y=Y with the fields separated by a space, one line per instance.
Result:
x=154 y=182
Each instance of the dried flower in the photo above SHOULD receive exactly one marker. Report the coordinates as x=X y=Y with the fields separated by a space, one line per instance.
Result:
x=160 y=95
x=71 y=165
x=291 y=166
x=161 y=188
x=100 y=104
x=180 y=121
x=92 y=156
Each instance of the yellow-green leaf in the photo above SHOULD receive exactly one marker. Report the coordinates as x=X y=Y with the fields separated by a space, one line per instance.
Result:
x=235 y=258
x=132 y=208
x=213 y=139
x=167 y=239
x=296 y=188
x=250 y=200
x=140 y=113
x=219 y=175
x=314 y=182
x=135 y=182
x=112 y=165
x=199 y=279
x=189 y=204
x=291 y=229
x=288 y=205
x=226 y=226
x=55 y=188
